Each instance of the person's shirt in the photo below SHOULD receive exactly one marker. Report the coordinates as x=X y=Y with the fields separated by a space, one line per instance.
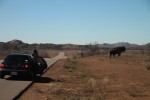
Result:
x=35 y=56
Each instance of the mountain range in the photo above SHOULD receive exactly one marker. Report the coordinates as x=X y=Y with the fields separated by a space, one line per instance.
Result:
x=21 y=44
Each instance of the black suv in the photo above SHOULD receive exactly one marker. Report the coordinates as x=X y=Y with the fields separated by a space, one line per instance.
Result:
x=22 y=64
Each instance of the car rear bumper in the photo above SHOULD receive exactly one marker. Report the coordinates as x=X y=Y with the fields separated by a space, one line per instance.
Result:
x=14 y=72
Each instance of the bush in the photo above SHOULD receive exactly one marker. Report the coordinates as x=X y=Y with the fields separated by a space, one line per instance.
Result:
x=94 y=89
x=148 y=67
x=136 y=90
x=91 y=50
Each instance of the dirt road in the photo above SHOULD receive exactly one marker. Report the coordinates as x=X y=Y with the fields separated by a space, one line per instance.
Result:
x=11 y=87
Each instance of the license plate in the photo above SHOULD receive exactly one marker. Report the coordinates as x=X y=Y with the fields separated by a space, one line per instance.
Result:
x=13 y=73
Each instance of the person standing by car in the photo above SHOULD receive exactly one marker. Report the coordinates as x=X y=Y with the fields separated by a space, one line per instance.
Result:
x=35 y=55
x=39 y=62
x=35 y=59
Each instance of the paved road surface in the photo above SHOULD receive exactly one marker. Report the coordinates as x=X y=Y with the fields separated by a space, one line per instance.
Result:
x=9 y=89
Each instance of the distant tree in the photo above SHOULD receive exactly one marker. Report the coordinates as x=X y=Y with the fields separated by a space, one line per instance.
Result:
x=90 y=50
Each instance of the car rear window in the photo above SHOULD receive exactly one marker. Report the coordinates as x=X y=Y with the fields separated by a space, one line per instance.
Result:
x=18 y=58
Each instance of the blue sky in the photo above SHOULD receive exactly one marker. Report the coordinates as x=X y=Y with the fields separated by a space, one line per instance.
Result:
x=75 y=21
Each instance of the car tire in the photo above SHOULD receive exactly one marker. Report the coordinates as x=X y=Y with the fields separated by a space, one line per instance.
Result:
x=33 y=76
x=2 y=76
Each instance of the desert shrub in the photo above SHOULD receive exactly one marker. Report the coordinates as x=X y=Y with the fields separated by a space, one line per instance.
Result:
x=89 y=87
x=57 y=89
x=90 y=50
x=72 y=64
x=148 y=67
x=136 y=90
x=148 y=61
x=94 y=89
x=73 y=54
x=86 y=74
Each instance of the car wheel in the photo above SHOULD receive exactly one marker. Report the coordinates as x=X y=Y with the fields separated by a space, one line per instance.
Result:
x=2 y=76
x=33 y=76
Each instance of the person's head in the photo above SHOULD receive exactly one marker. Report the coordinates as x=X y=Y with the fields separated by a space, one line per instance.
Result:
x=35 y=51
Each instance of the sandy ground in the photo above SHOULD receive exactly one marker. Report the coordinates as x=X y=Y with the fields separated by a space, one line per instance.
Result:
x=93 y=78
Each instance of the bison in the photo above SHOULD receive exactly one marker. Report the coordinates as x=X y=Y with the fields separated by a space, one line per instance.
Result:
x=117 y=50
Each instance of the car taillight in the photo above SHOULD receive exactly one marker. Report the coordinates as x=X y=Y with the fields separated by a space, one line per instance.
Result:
x=26 y=66
x=3 y=65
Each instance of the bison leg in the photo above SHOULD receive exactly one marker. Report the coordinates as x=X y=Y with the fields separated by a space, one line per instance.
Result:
x=114 y=54
x=110 y=55
x=119 y=54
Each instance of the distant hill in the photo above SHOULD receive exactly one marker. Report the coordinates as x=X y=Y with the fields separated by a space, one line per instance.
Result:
x=148 y=44
x=1 y=42
x=126 y=44
x=19 y=45
x=15 y=42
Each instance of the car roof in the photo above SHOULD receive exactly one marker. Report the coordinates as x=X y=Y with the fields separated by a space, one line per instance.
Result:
x=19 y=54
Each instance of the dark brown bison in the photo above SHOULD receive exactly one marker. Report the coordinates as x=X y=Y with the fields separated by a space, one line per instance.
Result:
x=117 y=50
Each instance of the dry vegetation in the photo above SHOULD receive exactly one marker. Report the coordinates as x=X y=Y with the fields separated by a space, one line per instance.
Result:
x=95 y=78
x=48 y=53
x=45 y=53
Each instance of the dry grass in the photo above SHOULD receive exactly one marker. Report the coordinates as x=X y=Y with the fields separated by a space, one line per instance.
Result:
x=136 y=90
x=4 y=53
x=94 y=89
x=148 y=67
x=43 y=53
x=131 y=58
x=73 y=54
x=72 y=65
x=148 y=61
x=81 y=84
x=99 y=78
x=48 y=53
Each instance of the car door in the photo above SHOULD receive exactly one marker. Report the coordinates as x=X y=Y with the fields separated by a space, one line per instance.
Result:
x=42 y=65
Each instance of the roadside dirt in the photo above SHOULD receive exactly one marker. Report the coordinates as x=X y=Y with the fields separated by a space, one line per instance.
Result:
x=93 y=78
